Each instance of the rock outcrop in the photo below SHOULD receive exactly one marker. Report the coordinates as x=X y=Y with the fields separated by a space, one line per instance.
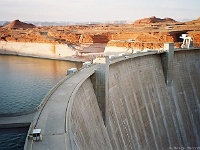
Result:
x=147 y=33
x=16 y=24
x=153 y=19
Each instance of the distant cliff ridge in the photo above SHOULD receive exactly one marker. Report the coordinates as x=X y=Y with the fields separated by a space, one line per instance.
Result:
x=144 y=34
x=153 y=19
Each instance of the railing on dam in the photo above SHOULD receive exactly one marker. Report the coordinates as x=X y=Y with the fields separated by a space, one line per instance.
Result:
x=137 y=101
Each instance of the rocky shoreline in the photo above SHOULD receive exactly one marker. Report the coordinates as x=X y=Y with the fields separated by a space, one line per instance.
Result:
x=44 y=50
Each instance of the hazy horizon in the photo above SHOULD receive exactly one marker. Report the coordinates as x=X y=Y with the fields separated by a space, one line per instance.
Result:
x=97 y=10
x=60 y=21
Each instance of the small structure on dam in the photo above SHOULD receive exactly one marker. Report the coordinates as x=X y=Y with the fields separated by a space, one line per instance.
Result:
x=187 y=41
x=37 y=135
x=147 y=100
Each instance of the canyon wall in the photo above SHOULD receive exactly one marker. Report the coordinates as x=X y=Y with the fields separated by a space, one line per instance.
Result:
x=43 y=50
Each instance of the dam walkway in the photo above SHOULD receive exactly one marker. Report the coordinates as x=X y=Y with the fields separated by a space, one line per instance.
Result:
x=51 y=119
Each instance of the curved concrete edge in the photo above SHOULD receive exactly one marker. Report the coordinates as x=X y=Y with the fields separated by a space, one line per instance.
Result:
x=39 y=110
x=68 y=112
x=40 y=107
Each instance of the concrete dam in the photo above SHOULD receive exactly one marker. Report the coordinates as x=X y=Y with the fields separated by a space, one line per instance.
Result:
x=139 y=101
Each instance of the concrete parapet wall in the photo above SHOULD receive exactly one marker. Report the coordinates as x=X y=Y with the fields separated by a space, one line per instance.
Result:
x=85 y=125
x=43 y=50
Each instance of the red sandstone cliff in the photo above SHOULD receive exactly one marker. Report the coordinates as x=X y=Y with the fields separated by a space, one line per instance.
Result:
x=140 y=36
x=153 y=19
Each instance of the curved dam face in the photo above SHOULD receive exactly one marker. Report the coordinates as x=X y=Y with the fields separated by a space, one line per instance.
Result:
x=144 y=107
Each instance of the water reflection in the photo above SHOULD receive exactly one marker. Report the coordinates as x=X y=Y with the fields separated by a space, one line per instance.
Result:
x=25 y=81
x=13 y=139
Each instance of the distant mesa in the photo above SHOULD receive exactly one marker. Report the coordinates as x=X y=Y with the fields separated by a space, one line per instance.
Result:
x=153 y=19
x=194 y=22
x=16 y=24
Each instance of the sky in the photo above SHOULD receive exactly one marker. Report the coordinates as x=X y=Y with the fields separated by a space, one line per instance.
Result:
x=97 y=10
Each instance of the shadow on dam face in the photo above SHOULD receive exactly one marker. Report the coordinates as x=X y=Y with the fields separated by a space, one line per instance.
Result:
x=141 y=110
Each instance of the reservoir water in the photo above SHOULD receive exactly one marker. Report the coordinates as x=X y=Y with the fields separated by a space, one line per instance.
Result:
x=24 y=82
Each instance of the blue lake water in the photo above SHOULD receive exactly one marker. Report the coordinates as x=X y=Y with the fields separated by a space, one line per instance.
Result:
x=24 y=82
x=13 y=139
